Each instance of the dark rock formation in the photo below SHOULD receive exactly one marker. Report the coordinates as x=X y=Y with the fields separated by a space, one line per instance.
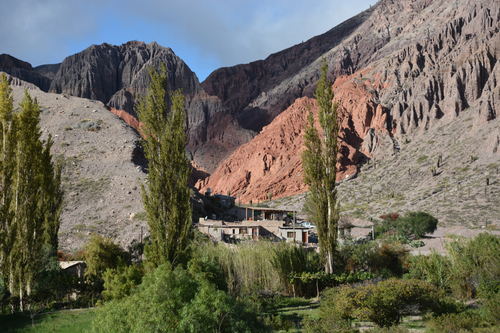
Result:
x=116 y=75
x=49 y=71
x=23 y=71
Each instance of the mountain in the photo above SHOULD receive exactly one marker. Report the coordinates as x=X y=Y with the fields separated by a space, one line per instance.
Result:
x=118 y=75
x=415 y=80
x=405 y=68
x=24 y=71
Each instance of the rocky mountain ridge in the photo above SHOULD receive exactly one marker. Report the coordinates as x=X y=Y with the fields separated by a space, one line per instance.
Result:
x=401 y=71
x=23 y=71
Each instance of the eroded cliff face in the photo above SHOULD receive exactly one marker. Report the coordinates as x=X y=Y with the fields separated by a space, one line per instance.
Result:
x=453 y=70
x=117 y=75
x=272 y=163
x=409 y=66
x=23 y=71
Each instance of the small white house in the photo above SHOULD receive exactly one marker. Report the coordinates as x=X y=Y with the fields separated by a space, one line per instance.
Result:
x=297 y=234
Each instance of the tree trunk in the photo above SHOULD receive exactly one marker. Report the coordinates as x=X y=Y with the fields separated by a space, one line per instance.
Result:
x=329 y=264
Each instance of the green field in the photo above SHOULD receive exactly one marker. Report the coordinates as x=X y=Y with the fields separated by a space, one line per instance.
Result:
x=74 y=321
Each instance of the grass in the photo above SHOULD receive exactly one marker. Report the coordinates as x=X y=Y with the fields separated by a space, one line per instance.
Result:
x=74 y=321
x=287 y=313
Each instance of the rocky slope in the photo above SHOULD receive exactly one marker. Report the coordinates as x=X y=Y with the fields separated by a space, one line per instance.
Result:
x=422 y=64
x=118 y=75
x=271 y=162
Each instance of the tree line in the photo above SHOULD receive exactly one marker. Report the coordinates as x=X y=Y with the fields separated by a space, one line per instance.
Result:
x=30 y=193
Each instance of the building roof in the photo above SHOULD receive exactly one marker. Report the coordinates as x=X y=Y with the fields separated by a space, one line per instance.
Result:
x=68 y=264
x=265 y=209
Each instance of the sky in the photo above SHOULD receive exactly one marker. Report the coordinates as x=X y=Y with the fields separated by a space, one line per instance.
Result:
x=205 y=34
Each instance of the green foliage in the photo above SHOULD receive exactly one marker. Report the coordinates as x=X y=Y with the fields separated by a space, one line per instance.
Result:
x=453 y=322
x=118 y=282
x=385 y=259
x=31 y=194
x=166 y=198
x=417 y=223
x=384 y=304
x=357 y=257
x=4 y=295
x=417 y=243
x=102 y=254
x=475 y=265
x=319 y=160
x=492 y=308
x=292 y=264
x=172 y=300
x=433 y=268
x=51 y=283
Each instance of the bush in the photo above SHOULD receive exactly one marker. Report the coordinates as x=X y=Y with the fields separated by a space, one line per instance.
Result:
x=331 y=318
x=453 y=322
x=119 y=282
x=417 y=223
x=384 y=304
x=492 y=309
x=475 y=266
x=176 y=301
x=387 y=260
x=100 y=254
x=433 y=268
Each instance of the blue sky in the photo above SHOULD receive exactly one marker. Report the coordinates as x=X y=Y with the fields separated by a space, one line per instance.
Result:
x=206 y=34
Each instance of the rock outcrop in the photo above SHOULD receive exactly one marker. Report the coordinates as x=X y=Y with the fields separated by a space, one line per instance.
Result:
x=23 y=71
x=271 y=162
x=116 y=75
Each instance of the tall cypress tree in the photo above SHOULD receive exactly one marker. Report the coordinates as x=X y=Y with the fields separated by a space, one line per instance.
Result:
x=7 y=164
x=319 y=161
x=31 y=192
x=166 y=198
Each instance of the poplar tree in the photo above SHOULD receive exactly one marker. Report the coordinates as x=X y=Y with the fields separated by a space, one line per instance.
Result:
x=166 y=198
x=31 y=192
x=319 y=161
x=7 y=132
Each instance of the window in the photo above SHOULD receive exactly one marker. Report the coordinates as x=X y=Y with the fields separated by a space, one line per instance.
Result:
x=289 y=234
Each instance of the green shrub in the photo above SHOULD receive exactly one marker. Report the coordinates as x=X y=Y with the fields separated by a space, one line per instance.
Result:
x=330 y=318
x=417 y=223
x=386 y=303
x=492 y=308
x=417 y=243
x=433 y=268
x=453 y=322
x=475 y=265
x=118 y=282
x=176 y=301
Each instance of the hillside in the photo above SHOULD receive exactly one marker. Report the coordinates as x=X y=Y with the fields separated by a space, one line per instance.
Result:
x=415 y=81
x=440 y=62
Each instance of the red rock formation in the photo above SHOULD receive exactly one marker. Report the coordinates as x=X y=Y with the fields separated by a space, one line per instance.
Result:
x=127 y=117
x=271 y=162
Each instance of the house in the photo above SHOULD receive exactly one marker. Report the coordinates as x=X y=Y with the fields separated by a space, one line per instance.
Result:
x=255 y=222
x=76 y=268
x=220 y=230
x=295 y=233
x=225 y=201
